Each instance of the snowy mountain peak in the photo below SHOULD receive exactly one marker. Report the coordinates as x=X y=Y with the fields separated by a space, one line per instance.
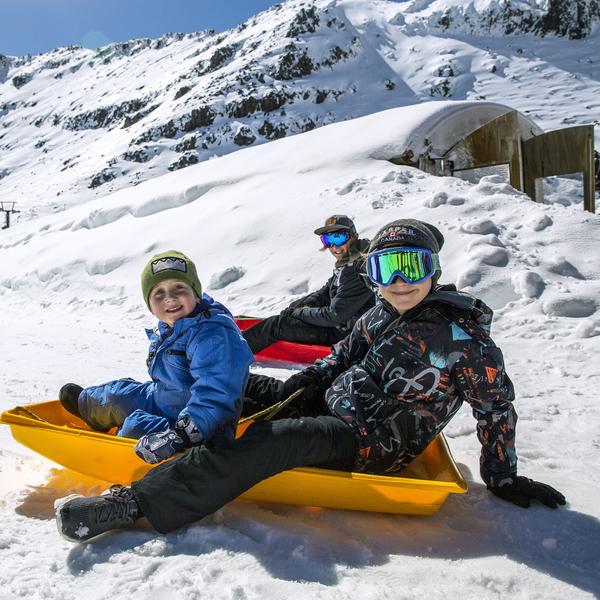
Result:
x=571 y=18
x=79 y=123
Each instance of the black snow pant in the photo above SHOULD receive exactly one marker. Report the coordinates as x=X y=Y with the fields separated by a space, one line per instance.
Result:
x=188 y=488
x=289 y=329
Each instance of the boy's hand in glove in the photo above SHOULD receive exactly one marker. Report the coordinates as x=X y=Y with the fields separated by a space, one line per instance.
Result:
x=522 y=490
x=311 y=377
x=315 y=384
x=156 y=447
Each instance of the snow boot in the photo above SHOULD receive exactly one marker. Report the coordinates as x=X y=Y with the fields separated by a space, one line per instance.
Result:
x=68 y=396
x=80 y=518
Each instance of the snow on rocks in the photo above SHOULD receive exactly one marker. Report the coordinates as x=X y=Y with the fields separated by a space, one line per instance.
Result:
x=436 y=200
x=528 y=284
x=539 y=223
x=588 y=328
x=481 y=226
x=220 y=280
x=490 y=239
x=470 y=277
x=561 y=266
x=569 y=305
x=490 y=255
x=212 y=93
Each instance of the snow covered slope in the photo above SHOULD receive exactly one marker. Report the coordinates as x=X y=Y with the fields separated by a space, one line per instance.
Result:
x=71 y=310
x=76 y=124
x=242 y=201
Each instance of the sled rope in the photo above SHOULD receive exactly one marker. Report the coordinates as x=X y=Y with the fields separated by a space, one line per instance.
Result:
x=272 y=410
x=22 y=409
x=25 y=411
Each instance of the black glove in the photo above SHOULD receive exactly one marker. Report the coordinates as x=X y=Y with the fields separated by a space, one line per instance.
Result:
x=298 y=303
x=522 y=490
x=302 y=302
x=315 y=384
x=287 y=312
x=295 y=304
x=311 y=376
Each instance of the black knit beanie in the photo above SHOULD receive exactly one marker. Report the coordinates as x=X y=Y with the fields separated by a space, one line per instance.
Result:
x=409 y=232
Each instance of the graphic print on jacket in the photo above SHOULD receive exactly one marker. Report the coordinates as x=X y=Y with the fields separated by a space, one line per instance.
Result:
x=398 y=380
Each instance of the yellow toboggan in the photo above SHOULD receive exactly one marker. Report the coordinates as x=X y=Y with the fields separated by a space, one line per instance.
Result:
x=419 y=489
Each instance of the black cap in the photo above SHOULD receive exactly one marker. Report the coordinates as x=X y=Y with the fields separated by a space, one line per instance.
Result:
x=408 y=231
x=337 y=223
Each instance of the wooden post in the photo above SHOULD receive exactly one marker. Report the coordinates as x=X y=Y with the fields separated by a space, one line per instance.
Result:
x=7 y=210
x=560 y=152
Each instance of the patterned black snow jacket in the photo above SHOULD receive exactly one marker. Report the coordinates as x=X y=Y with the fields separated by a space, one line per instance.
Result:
x=398 y=380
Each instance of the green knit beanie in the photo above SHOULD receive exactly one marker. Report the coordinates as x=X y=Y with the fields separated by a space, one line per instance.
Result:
x=169 y=265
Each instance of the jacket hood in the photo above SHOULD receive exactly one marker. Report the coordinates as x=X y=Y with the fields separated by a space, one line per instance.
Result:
x=460 y=302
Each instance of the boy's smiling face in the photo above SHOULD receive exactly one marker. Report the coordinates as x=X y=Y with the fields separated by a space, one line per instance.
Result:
x=172 y=299
x=404 y=296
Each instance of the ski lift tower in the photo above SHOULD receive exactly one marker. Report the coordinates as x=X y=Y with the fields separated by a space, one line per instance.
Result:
x=8 y=208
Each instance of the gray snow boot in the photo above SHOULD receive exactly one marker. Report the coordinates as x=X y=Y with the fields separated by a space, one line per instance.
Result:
x=81 y=518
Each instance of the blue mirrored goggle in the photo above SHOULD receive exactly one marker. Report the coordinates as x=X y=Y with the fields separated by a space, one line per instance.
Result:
x=335 y=238
x=412 y=265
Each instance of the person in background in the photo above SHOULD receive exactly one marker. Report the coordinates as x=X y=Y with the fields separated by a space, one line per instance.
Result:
x=326 y=316
x=385 y=392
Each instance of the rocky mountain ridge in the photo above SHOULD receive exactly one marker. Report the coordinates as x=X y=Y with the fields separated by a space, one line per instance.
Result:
x=574 y=19
x=130 y=111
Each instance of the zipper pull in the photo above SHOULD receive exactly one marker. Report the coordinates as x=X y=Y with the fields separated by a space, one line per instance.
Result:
x=151 y=356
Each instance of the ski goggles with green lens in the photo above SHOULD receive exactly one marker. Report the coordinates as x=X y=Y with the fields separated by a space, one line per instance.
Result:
x=412 y=265
x=335 y=238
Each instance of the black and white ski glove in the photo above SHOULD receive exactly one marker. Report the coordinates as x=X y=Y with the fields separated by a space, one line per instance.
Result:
x=522 y=490
x=156 y=447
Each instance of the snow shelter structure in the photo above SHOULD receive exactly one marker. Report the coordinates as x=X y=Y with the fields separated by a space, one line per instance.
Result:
x=474 y=139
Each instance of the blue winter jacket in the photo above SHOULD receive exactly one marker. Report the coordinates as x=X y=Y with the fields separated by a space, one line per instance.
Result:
x=199 y=368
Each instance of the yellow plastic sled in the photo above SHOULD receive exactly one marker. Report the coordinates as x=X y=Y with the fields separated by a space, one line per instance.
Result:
x=419 y=489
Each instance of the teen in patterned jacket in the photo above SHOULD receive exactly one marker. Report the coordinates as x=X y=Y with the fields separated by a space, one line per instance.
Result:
x=383 y=394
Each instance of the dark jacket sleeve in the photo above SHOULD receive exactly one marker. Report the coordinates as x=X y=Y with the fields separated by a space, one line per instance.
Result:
x=481 y=380
x=351 y=295
x=348 y=351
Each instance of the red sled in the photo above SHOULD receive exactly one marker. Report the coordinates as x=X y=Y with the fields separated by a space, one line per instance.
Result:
x=284 y=354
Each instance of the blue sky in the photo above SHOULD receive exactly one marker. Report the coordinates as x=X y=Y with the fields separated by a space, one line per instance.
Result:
x=34 y=26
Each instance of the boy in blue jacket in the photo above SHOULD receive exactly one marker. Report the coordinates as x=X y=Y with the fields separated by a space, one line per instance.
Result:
x=198 y=365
